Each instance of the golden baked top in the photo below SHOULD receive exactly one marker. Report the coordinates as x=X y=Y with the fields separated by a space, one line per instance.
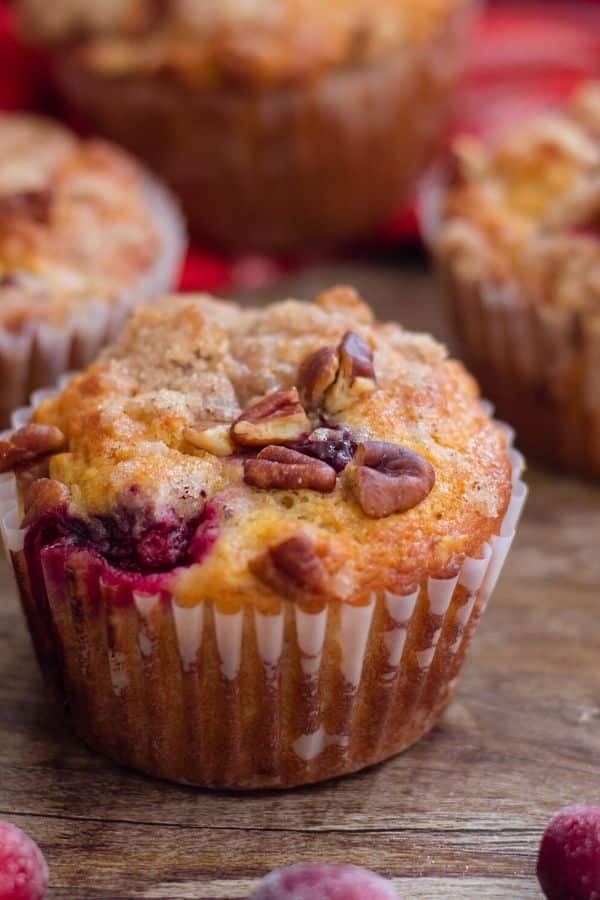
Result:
x=246 y=41
x=526 y=210
x=300 y=449
x=75 y=224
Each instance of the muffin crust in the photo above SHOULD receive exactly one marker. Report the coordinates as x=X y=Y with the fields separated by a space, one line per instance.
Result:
x=526 y=211
x=245 y=41
x=74 y=223
x=128 y=456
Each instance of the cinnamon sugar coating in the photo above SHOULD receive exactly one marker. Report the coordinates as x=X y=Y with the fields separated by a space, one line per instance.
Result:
x=195 y=359
x=75 y=226
x=524 y=213
x=246 y=41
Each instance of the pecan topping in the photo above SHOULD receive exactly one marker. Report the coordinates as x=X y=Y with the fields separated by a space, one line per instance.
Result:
x=214 y=437
x=29 y=443
x=276 y=419
x=43 y=495
x=284 y=469
x=356 y=374
x=293 y=563
x=387 y=478
x=317 y=374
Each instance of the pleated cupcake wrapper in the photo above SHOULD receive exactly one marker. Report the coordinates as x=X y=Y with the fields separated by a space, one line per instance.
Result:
x=37 y=356
x=245 y=699
x=537 y=363
x=282 y=169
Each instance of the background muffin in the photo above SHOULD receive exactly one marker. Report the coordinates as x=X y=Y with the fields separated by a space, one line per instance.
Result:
x=518 y=244
x=280 y=124
x=84 y=235
x=256 y=543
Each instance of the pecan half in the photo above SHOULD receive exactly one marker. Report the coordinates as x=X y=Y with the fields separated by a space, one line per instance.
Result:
x=293 y=563
x=356 y=374
x=276 y=419
x=317 y=373
x=387 y=478
x=29 y=443
x=284 y=469
x=42 y=496
x=214 y=437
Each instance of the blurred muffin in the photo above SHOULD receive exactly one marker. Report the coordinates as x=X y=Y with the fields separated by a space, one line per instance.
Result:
x=520 y=251
x=84 y=235
x=281 y=123
x=256 y=543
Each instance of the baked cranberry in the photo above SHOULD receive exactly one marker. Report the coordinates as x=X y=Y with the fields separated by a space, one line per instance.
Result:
x=568 y=866
x=23 y=869
x=335 y=446
x=320 y=881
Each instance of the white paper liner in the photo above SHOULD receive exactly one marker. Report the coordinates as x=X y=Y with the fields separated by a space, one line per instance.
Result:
x=538 y=363
x=449 y=608
x=38 y=355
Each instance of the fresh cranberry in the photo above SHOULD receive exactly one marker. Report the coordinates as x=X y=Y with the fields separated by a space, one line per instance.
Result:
x=319 y=881
x=23 y=869
x=335 y=446
x=568 y=866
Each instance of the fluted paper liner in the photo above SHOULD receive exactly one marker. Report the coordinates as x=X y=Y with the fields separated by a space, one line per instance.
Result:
x=537 y=363
x=249 y=700
x=37 y=356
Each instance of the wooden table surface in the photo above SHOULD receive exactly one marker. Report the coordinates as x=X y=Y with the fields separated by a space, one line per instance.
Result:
x=458 y=816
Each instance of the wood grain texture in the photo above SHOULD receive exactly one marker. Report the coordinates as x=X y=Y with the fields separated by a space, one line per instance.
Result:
x=458 y=816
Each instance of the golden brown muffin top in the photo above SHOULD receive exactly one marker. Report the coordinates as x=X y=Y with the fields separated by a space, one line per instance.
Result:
x=247 y=41
x=526 y=210
x=74 y=222
x=266 y=427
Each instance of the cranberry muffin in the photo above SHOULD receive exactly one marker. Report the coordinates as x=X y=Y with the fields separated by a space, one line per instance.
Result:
x=518 y=243
x=84 y=235
x=281 y=123
x=253 y=545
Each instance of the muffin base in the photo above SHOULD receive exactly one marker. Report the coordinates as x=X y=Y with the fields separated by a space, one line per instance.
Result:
x=36 y=356
x=282 y=169
x=246 y=700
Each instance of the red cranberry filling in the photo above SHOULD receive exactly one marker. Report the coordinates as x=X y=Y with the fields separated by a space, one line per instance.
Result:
x=335 y=446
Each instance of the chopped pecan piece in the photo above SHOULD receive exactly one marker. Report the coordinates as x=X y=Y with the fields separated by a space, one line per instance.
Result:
x=276 y=419
x=29 y=443
x=42 y=496
x=284 y=469
x=32 y=204
x=356 y=374
x=293 y=563
x=387 y=478
x=214 y=437
x=317 y=374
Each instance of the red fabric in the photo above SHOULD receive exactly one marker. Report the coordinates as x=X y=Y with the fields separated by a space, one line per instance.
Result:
x=523 y=56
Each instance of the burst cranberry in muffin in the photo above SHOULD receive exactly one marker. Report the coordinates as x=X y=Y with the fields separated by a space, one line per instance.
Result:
x=287 y=123
x=83 y=235
x=520 y=249
x=278 y=494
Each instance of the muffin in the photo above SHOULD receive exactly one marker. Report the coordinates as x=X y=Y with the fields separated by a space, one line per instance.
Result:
x=85 y=234
x=252 y=545
x=518 y=245
x=281 y=124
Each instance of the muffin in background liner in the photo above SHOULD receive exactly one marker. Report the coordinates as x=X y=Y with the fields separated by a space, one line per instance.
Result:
x=535 y=360
x=247 y=700
x=284 y=168
x=38 y=354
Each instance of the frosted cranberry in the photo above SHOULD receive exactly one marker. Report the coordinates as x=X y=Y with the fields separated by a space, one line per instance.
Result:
x=568 y=865
x=335 y=446
x=23 y=869
x=318 y=881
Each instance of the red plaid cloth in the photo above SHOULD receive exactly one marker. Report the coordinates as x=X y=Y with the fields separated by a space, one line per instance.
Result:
x=524 y=56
